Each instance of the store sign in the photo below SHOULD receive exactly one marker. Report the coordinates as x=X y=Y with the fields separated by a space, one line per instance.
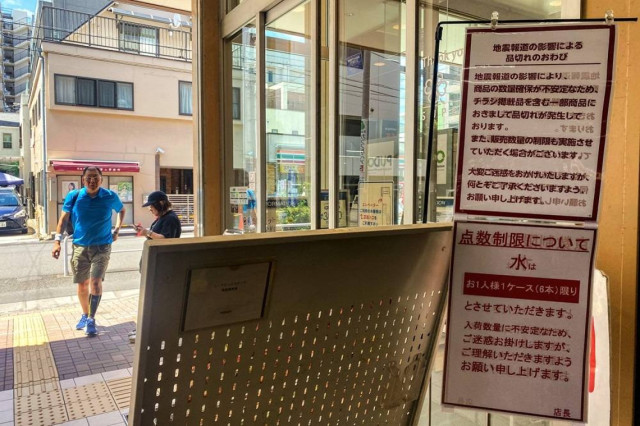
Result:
x=444 y=209
x=342 y=209
x=354 y=61
x=534 y=121
x=441 y=158
x=375 y=206
x=381 y=159
x=519 y=316
x=238 y=195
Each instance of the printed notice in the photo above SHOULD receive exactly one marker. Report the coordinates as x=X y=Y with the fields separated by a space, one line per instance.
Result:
x=519 y=315
x=534 y=121
x=376 y=204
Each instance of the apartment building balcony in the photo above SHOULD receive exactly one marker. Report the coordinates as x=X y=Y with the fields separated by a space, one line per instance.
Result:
x=21 y=59
x=17 y=55
x=64 y=26
x=21 y=42
x=16 y=78
x=18 y=28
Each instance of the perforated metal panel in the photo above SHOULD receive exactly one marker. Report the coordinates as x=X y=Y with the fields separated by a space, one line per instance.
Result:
x=346 y=337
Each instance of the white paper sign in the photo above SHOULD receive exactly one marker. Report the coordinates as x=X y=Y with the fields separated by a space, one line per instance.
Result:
x=534 y=121
x=519 y=316
x=375 y=204
x=238 y=195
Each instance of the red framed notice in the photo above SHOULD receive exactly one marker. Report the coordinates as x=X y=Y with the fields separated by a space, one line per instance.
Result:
x=519 y=316
x=535 y=106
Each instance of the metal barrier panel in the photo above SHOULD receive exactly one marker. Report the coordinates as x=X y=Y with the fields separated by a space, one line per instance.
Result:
x=321 y=327
x=183 y=206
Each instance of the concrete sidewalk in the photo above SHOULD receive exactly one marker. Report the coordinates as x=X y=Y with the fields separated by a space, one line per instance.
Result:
x=51 y=373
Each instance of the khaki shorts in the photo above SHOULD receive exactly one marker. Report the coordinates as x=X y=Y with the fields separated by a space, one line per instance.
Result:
x=90 y=261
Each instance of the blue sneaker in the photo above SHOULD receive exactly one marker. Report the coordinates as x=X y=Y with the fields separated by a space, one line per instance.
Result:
x=91 y=327
x=82 y=323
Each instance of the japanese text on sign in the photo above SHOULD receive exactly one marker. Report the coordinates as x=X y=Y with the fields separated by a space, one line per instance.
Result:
x=518 y=310
x=534 y=121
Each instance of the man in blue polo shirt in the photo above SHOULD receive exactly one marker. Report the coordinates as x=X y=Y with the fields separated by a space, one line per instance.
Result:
x=90 y=210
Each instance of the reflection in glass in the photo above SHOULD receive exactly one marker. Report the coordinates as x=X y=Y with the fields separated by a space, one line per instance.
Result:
x=242 y=181
x=436 y=415
x=288 y=121
x=371 y=118
x=446 y=117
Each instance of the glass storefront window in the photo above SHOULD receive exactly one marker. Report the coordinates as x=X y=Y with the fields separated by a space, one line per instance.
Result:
x=288 y=121
x=371 y=138
x=123 y=186
x=240 y=87
x=371 y=86
x=446 y=117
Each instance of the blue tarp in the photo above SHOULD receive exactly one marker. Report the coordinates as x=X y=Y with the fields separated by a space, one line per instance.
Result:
x=7 y=179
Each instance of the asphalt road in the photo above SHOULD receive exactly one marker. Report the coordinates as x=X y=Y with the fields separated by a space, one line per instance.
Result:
x=28 y=272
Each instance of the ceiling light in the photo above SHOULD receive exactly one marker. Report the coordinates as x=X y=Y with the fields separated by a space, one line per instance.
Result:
x=378 y=64
x=555 y=3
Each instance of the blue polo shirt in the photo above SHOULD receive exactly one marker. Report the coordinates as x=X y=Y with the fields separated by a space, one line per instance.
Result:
x=92 y=216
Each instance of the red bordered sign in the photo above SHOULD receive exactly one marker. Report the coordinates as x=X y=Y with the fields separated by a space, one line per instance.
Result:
x=519 y=316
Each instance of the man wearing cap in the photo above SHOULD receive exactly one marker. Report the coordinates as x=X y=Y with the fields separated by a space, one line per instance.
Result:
x=90 y=210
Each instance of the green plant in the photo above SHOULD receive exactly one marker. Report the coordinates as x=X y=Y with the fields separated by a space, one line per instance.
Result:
x=300 y=213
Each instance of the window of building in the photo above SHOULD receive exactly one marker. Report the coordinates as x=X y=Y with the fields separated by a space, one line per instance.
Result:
x=296 y=101
x=186 y=98
x=274 y=98
x=7 y=143
x=138 y=39
x=107 y=94
x=124 y=95
x=34 y=114
x=84 y=91
x=235 y=103
x=65 y=89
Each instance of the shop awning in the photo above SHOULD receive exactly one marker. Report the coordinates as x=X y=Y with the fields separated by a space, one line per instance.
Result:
x=105 y=166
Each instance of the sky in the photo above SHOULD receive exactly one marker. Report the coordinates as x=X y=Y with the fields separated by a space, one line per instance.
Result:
x=29 y=5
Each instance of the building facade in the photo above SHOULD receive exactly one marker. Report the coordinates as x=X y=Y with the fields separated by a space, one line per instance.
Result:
x=10 y=151
x=16 y=56
x=111 y=89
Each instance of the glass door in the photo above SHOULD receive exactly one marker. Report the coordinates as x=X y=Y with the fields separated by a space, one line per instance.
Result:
x=288 y=120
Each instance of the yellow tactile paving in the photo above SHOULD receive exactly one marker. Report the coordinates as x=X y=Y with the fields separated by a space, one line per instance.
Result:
x=33 y=364
x=38 y=397
x=34 y=388
x=6 y=333
x=45 y=416
x=121 y=391
x=28 y=330
x=88 y=400
x=37 y=401
x=32 y=357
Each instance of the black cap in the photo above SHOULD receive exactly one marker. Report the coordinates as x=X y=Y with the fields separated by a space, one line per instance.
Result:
x=154 y=197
